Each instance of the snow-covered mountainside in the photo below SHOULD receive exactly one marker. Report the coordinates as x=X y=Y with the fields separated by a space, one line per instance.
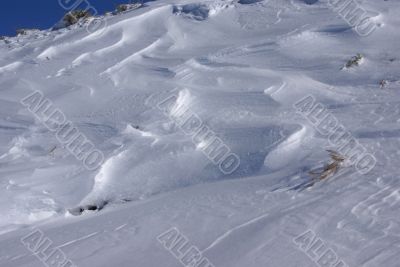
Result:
x=196 y=133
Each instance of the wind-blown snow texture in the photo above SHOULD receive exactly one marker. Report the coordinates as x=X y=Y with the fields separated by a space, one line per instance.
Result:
x=240 y=66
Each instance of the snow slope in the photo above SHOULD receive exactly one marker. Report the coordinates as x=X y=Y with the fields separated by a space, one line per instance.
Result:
x=240 y=66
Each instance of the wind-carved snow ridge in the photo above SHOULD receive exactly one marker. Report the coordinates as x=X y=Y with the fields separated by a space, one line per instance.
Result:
x=236 y=67
x=143 y=167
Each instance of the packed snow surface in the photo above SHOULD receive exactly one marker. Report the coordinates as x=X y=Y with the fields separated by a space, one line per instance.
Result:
x=239 y=67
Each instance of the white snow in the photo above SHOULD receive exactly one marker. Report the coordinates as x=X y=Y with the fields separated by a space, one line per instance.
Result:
x=239 y=66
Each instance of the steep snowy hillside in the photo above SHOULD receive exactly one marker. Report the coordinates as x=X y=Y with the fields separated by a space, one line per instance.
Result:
x=204 y=133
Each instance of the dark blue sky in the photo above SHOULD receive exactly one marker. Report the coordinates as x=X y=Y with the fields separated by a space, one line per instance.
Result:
x=42 y=14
